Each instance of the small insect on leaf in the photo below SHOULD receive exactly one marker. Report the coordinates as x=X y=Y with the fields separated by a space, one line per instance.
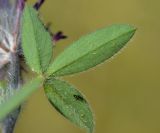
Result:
x=68 y=101
x=79 y=98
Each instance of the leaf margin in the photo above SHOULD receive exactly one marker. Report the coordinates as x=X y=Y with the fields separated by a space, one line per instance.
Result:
x=52 y=70
x=48 y=90
x=39 y=67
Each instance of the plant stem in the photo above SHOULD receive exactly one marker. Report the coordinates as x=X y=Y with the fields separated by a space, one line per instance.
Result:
x=13 y=83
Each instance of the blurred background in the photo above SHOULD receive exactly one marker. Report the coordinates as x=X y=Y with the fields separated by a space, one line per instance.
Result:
x=124 y=92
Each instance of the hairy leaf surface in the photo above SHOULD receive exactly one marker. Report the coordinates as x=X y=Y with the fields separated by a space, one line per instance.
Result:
x=91 y=50
x=36 y=41
x=69 y=102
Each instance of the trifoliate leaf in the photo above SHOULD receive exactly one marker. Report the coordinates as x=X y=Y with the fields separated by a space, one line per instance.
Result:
x=70 y=103
x=91 y=50
x=36 y=41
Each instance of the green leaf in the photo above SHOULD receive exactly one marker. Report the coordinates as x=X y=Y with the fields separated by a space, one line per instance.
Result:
x=19 y=97
x=91 y=50
x=36 y=41
x=70 y=103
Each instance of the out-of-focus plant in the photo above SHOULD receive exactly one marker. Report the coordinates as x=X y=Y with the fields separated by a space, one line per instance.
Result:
x=24 y=36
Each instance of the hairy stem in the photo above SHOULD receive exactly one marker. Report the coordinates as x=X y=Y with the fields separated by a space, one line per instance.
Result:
x=14 y=83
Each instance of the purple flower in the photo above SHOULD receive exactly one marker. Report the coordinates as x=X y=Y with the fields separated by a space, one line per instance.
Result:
x=38 y=4
x=58 y=36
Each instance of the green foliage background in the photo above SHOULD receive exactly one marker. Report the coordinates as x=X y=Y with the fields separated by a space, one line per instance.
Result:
x=124 y=93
